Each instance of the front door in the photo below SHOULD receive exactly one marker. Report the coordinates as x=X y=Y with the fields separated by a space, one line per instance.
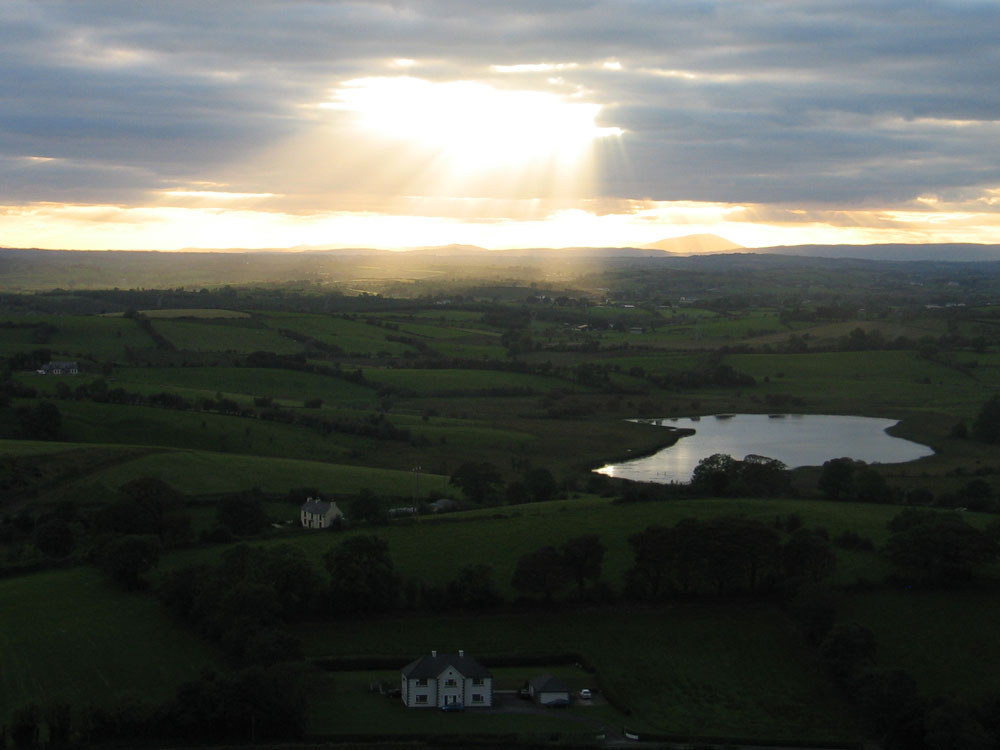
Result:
x=449 y=699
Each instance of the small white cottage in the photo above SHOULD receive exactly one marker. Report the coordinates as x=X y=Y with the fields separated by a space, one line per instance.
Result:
x=319 y=514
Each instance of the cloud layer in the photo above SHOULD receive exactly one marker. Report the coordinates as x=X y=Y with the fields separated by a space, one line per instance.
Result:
x=829 y=107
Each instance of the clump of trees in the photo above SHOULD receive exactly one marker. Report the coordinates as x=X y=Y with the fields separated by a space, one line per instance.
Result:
x=721 y=475
x=546 y=572
x=938 y=546
x=257 y=704
x=848 y=479
x=722 y=555
x=986 y=427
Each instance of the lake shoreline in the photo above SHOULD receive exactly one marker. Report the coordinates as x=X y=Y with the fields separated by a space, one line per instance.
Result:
x=797 y=440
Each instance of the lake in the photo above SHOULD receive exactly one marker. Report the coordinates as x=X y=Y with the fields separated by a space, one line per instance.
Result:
x=794 y=439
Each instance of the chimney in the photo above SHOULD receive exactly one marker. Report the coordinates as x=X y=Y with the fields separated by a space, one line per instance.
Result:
x=461 y=652
x=434 y=654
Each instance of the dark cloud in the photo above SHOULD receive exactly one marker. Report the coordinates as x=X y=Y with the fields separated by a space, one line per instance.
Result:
x=739 y=101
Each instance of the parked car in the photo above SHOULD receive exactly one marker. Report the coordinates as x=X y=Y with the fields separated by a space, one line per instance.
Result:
x=453 y=707
x=585 y=694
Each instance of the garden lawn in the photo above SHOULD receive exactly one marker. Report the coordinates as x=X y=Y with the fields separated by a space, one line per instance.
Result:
x=341 y=703
x=681 y=670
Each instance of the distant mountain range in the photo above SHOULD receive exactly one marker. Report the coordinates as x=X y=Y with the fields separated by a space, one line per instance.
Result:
x=942 y=252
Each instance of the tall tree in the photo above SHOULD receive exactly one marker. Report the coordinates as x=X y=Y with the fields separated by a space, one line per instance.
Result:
x=477 y=480
x=362 y=575
x=986 y=426
x=583 y=557
x=540 y=573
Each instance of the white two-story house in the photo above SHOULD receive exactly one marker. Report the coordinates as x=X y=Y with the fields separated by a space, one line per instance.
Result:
x=441 y=680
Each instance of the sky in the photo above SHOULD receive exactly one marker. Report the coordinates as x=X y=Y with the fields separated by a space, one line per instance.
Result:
x=169 y=124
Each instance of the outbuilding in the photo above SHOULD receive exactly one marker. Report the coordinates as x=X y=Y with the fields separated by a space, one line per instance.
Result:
x=548 y=690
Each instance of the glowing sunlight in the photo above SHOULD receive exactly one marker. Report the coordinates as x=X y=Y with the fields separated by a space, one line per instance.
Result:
x=531 y=143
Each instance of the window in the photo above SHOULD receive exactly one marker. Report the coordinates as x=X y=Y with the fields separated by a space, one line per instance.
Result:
x=422 y=682
x=450 y=682
x=421 y=699
x=477 y=681
x=477 y=698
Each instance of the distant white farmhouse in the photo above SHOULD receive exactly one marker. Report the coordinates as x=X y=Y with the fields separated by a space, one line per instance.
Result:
x=58 y=368
x=319 y=514
x=442 y=680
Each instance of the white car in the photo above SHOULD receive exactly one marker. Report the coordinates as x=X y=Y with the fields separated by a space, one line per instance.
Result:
x=585 y=694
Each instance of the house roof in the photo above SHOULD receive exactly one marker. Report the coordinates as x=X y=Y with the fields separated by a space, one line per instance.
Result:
x=546 y=683
x=319 y=507
x=430 y=666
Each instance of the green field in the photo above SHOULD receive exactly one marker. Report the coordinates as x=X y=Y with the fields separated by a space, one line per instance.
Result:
x=83 y=337
x=284 y=385
x=193 y=336
x=71 y=636
x=464 y=382
x=206 y=472
x=351 y=336
x=712 y=666
x=945 y=639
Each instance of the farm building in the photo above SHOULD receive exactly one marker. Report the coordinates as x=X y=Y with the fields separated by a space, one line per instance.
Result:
x=319 y=514
x=547 y=690
x=58 y=368
x=440 y=680
x=444 y=505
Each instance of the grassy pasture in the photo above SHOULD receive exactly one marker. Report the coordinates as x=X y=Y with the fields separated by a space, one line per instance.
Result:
x=197 y=472
x=70 y=636
x=352 y=336
x=89 y=422
x=681 y=669
x=658 y=364
x=191 y=336
x=443 y=382
x=869 y=382
x=77 y=337
x=280 y=384
x=945 y=639
x=432 y=330
x=462 y=350
x=194 y=313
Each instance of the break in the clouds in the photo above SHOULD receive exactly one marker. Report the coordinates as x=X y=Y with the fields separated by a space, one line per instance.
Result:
x=165 y=124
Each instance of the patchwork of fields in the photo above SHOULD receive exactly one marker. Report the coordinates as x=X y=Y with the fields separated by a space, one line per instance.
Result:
x=393 y=402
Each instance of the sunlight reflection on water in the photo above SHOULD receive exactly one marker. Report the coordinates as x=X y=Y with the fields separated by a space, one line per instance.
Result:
x=794 y=439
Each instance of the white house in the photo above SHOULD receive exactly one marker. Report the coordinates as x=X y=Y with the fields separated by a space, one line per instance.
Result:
x=546 y=689
x=319 y=514
x=439 y=680
x=58 y=368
